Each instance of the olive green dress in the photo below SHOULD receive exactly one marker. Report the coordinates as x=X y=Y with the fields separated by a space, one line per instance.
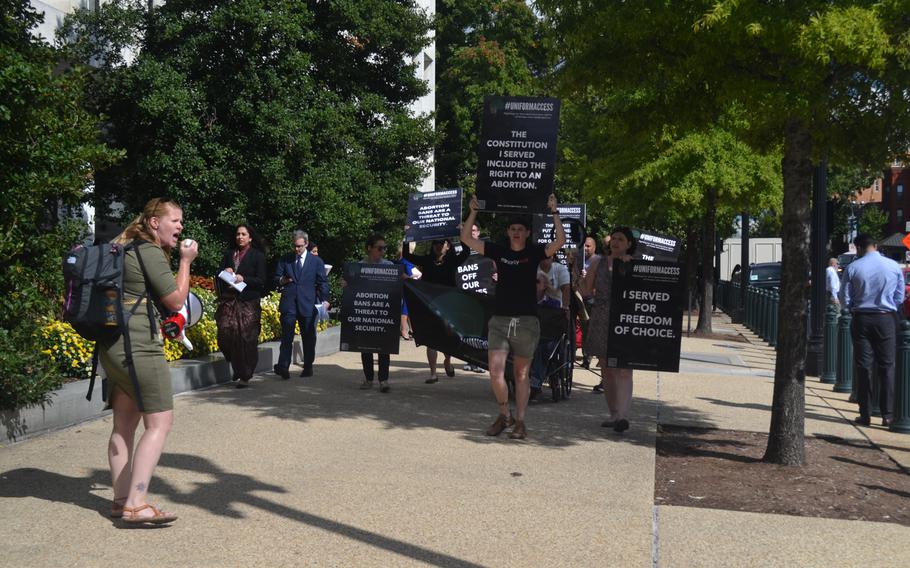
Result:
x=152 y=370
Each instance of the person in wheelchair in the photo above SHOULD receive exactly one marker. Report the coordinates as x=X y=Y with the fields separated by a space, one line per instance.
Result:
x=552 y=290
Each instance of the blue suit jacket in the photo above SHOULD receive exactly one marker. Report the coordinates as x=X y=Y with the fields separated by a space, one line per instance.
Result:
x=309 y=286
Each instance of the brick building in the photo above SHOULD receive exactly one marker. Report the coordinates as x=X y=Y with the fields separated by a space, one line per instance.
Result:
x=895 y=198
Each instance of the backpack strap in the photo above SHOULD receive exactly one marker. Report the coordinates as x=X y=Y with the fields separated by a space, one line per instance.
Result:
x=153 y=329
x=91 y=380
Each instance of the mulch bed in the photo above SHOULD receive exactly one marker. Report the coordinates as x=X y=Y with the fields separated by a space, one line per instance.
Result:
x=722 y=469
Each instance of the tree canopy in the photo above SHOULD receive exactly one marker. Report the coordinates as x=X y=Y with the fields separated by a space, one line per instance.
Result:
x=819 y=78
x=280 y=114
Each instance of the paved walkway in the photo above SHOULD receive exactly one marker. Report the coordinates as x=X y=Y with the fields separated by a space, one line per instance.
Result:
x=315 y=472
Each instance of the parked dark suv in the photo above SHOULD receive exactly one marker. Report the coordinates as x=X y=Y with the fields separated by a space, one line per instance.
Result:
x=765 y=275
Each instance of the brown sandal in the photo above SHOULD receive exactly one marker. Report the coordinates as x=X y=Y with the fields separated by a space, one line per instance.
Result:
x=117 y=507
x=159 y=517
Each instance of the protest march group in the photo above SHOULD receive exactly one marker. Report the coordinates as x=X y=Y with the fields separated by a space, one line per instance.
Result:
x=489 y=302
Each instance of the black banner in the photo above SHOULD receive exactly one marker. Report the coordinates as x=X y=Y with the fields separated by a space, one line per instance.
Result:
x=476 y=275
x=371 y=307
x=517 y=154
x=646 y=305
x=656 y=247
x=433 y=215
x=455 y=322
x=574 y=219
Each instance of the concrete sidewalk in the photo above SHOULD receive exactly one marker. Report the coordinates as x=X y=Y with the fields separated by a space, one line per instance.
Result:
x=315 y=472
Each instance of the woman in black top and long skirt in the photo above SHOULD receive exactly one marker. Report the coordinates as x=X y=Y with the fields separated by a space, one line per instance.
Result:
x=438 y=267
x=239 y=314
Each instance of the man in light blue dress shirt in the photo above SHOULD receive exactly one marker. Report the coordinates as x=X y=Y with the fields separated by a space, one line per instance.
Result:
x=873 y=290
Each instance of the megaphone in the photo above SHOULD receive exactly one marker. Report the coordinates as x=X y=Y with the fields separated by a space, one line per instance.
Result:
x=189 y=315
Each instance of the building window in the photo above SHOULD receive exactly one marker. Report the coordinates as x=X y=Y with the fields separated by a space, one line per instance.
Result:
x=900 y=191
x=900 y=215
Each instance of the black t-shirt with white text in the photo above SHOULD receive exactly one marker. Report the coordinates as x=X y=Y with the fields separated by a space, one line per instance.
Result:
x=516 y=289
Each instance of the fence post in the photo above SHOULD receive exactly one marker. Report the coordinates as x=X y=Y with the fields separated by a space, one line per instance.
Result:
x=765 y=310
x=829 y=375
x=901 y=422
x=775 y=309
x=844 y=354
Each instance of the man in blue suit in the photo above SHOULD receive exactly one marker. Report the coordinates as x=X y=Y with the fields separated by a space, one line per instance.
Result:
x=303 y=283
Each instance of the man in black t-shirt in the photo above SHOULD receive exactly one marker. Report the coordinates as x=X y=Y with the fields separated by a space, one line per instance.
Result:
x=514 y=326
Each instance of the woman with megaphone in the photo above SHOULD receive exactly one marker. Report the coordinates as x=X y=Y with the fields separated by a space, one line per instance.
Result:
x=143 y=392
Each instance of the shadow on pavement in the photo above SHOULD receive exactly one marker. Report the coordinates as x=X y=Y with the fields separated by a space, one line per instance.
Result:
x=218 y=497
x=461 y=404
x=58 y=488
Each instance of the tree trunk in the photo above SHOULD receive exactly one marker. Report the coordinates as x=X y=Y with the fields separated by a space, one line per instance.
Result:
x=786 y=440
x=691 y=260
x=707 y=264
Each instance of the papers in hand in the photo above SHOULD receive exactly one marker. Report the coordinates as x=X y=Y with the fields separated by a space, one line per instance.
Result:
x=232 y=280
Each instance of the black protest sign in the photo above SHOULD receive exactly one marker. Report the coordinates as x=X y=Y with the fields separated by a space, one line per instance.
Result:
x=433 y=215
x=573 y=217
x=476 y=275
x=657 y=247
x=517 y=153
x=371 y=307
x=646 y=303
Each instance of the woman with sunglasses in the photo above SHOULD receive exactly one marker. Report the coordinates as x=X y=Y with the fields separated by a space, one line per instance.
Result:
x=376 y=248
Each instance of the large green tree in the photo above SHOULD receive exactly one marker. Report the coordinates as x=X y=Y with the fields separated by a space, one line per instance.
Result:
x=822 y=78
x=282 y=114
x=49 y=153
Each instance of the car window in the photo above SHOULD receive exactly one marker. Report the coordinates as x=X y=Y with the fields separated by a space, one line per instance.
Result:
x=907 y=278
x=764 y=273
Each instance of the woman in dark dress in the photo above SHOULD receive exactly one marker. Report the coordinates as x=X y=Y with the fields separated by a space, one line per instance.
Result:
x=598 y=283
x=239 y=314
x=438 y=267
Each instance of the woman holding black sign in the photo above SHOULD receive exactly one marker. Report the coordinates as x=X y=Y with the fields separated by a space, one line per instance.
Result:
x=514 y=326
x=597 y=284
x=439 y=267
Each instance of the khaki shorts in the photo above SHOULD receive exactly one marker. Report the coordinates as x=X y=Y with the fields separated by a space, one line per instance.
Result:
x=518 y=335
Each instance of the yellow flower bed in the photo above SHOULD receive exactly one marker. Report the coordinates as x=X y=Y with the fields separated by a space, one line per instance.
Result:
x=67 y=349
x=73 y=354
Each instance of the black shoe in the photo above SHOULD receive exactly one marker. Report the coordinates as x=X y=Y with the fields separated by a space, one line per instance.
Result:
x=384 y=386
x=535 y=393
x=283 y=373
x=307 y=372
x=886 y=422
x=586 y=362
x=621 y=425
x=597 y=389
x=608 y=423
x=242 y=384
x=862 y=421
